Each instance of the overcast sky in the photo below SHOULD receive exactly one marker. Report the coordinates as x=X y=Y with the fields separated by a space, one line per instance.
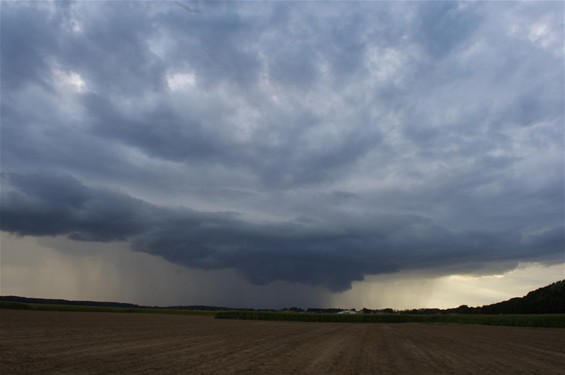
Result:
x=284 y=153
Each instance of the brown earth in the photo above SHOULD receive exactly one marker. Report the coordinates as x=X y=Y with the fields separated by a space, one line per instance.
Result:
x=102 y=343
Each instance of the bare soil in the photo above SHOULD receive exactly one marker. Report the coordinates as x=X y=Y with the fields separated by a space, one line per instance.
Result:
x=102 y=343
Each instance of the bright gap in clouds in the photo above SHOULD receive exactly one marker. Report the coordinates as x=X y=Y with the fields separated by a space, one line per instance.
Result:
x=408 y=290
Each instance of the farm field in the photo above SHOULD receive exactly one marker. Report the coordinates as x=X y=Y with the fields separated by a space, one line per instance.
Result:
x=88 y=343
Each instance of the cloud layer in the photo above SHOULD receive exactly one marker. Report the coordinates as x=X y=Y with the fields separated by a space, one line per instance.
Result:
x=289 y=141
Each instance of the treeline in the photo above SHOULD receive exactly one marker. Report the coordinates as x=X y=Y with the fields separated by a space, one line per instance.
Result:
x=50 y=301
x=546 y=300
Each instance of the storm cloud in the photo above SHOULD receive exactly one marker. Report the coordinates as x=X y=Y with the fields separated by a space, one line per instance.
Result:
x=299 y=142
x=331 y=252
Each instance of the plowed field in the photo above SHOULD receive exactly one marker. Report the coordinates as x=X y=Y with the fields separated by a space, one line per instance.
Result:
x=102 y=343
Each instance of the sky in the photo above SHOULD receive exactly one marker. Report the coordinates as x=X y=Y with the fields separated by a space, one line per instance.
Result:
x=270 y=154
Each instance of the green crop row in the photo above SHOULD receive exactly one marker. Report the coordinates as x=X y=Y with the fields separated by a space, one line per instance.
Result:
x=523 y=320
x=549 y=320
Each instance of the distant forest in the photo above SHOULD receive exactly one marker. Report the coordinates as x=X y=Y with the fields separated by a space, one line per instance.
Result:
x=547 y=300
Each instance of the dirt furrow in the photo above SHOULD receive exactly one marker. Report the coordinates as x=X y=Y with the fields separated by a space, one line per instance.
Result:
x=50 y=342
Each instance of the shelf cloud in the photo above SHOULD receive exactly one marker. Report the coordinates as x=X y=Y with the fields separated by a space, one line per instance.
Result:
x=289 y=141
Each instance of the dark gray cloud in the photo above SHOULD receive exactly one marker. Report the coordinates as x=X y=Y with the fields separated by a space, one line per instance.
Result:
x=333 y=252
x=442 y=26
x=24 y=49
x=288 y=141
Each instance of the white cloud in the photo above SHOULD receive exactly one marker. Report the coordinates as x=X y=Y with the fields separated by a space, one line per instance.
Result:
x=181 y=80
x=69 y=81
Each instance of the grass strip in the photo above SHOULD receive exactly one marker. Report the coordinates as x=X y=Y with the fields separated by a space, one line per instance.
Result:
x=86 y=308
x=529 y=320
